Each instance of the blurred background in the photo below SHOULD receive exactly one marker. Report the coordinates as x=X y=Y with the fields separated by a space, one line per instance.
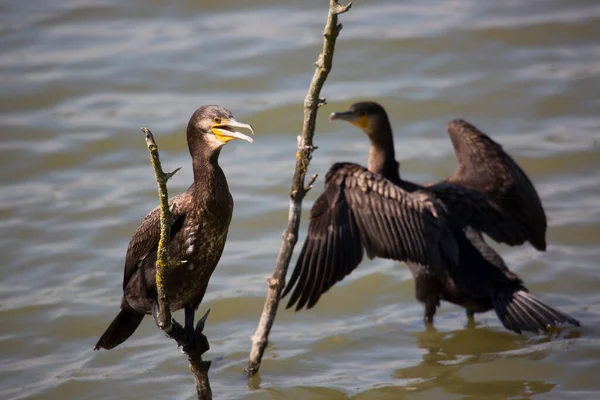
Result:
x=79 y=78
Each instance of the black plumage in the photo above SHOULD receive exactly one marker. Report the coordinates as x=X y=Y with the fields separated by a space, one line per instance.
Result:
x=485 y=167
x=201 y=217
x=360 y=209
x=436 y=229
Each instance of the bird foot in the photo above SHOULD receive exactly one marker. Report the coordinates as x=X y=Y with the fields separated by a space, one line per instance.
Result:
x=190 y=340
x=428 y=322
x=471 y=323
x=197 y=342
x=430 y=328
x=430 y=308
x=428 y=318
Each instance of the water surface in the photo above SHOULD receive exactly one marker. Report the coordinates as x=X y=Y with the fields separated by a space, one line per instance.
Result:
x=78 y=79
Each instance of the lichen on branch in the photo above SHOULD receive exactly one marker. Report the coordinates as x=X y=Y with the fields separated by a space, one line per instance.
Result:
x=163 y=317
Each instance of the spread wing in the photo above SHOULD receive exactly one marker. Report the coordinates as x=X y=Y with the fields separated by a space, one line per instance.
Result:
x=471 y=208
x=146 y=236
x=484 y=166
x=361 y=211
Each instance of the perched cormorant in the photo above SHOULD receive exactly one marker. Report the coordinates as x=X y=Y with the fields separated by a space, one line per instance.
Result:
x=435 y=229
x=201 y=217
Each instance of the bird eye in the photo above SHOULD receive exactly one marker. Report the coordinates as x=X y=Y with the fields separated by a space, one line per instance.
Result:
x=362 y=113
x=217 y=120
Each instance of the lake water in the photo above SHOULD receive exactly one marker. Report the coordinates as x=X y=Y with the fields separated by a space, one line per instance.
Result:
x=79 y=78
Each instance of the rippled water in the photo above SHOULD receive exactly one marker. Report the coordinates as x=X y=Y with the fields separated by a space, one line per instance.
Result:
x=78 y=79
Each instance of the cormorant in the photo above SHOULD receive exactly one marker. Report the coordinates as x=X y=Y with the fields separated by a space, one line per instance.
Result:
x=200 y=222
x=435 y=229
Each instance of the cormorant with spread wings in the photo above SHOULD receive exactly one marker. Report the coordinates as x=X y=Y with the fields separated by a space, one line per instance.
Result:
x=436 y=229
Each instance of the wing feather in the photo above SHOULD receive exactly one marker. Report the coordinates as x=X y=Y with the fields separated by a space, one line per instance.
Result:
x=361 y=211
x=469 y=207
x=483 y=165
x=145 y=238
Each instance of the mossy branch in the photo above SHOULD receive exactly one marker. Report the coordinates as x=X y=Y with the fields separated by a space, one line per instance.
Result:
x=312 y=102
x=162 y=316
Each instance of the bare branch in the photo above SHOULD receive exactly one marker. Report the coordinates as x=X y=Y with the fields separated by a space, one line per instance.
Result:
x=312 y=180
x=312 y=102
x=162 y=315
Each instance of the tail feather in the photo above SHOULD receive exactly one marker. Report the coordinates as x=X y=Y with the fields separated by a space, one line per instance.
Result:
x=540 y=312
x=527 y=317
x=500 y=307
x=512 y=317
x=521 y=311
x=550 y=312
x=510 y=320
x=122 y=327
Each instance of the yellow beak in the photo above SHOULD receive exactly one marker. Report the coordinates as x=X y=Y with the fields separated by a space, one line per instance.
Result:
x=225 y=131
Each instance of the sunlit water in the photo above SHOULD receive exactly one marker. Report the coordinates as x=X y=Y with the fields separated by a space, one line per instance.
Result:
x=78 y=79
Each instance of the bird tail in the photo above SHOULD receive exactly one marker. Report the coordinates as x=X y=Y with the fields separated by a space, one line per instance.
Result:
x=521 y=311
x=123 y=326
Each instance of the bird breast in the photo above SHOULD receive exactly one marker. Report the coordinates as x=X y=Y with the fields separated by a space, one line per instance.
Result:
x=203 y=242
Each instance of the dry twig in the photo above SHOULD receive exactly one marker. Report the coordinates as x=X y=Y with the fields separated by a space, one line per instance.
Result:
x=162 y=316
x=312 y=102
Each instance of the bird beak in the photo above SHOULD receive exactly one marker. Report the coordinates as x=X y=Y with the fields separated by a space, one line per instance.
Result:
x=349 y=116
x=225 y=131
x=345 y=115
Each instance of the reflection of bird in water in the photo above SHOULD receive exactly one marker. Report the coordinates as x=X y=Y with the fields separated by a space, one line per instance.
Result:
x=446 y=356
x=200 y=222
x=436 y=229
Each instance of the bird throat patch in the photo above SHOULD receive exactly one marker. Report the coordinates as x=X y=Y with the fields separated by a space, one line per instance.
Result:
x=361 y=122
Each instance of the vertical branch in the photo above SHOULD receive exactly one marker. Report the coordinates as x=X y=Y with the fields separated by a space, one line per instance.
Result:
x=162 y=260
x=312 y=102
x=163 y=268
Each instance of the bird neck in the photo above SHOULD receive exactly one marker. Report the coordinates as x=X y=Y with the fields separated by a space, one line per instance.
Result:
x=382 y=156
x=206 y=166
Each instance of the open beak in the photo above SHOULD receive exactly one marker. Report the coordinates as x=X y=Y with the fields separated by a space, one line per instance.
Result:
x=225 y=131
x=351 y=117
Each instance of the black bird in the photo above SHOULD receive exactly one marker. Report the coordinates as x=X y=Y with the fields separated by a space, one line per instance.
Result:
x=201 y=217
x=435 y=229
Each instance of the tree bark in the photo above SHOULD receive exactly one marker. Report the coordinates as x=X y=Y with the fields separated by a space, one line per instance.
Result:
x=312 y=102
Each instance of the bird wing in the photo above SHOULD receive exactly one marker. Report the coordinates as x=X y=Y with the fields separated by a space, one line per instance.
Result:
x=147 y=235
x=483 y=165
x=358 y=211
x=481 y=272
x=469 y=207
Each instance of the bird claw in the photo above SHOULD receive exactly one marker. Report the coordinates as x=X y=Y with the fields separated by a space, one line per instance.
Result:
x=202 y=321
x=196 y=340
x=190 y=340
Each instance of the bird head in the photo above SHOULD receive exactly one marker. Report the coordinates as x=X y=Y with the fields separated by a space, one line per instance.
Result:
x=367 y=115
x=215 y=126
